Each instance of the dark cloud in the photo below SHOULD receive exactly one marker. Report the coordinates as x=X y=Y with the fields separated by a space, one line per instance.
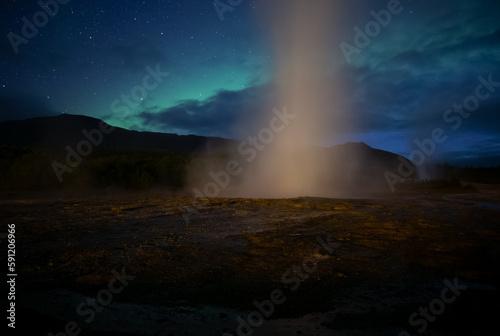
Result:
x=410 y=82
x=217 y=116
x=414 y=58
x=474 y=149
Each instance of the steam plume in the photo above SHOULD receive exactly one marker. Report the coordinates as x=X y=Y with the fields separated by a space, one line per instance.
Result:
x=288 y=167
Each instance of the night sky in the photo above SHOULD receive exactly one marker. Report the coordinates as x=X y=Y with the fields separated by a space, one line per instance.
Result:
x=214 y=68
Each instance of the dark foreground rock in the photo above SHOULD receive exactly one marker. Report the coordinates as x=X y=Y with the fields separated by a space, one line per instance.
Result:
x=150 y=265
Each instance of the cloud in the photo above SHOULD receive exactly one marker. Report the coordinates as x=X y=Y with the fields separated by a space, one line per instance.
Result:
x=416 y=70
x=474 y=149
x=218 y=115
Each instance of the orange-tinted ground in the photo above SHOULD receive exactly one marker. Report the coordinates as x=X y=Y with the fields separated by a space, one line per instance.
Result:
x=197 y=268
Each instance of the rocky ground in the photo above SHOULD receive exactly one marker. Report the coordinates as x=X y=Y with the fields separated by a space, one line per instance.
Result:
x=402 y=265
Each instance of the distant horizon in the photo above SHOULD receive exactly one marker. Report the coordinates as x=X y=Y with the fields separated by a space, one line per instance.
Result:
x=485 y=162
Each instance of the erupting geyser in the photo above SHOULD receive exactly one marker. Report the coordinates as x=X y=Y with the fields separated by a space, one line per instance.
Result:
x=281 y=155
x=289 y=166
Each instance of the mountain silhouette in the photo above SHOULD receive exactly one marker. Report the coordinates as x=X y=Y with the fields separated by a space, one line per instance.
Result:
x=124 y=157
x=66 y=130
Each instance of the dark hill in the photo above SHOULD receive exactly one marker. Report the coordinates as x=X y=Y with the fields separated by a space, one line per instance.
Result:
x=125 y=158
x=66 y=129
x=359 y=153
